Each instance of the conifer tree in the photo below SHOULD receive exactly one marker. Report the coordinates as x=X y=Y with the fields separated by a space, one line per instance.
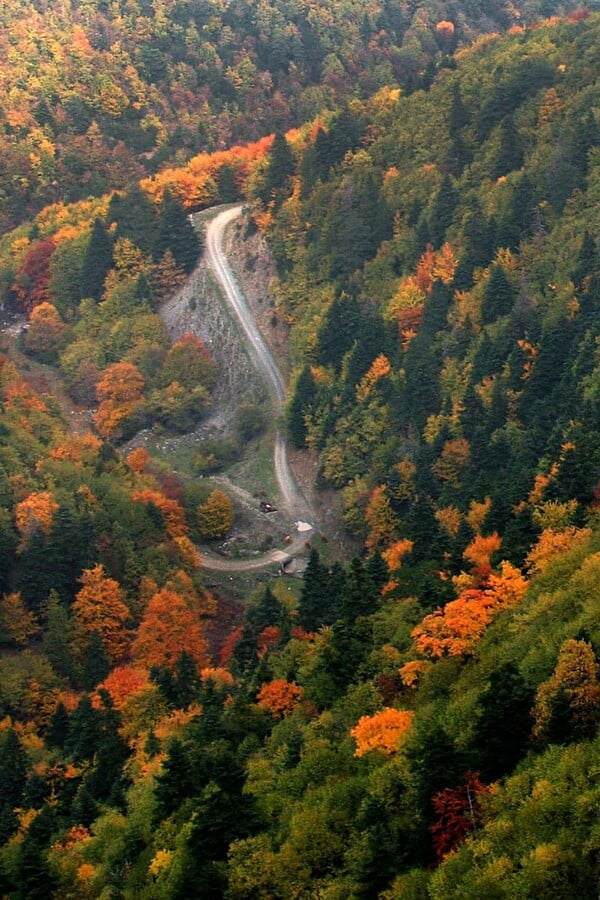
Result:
x=311 y=611
x=97 y=262
x=176 y=233
x=498 y=296
x=280 y=168
x=304 y=395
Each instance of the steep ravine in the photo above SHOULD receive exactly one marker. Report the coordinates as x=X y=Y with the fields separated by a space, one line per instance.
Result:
x=212 y=306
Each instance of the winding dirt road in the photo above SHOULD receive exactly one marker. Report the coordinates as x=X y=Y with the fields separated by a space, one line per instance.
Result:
x=293 y=502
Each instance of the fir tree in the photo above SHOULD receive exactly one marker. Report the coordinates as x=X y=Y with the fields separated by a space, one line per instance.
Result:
x=311 y=612
x=498 y=296
x=97 y=262
x=304 y=395
x=176 y=233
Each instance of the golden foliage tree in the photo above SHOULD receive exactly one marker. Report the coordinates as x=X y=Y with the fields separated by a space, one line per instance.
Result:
x=99 y=606
x=168 y=629
x=381 y=519
x=119 y=392
x=18 y=623
x=35 y=511
x=215 y=515
x=279 y=697
x=567 y=706
x=384 y=731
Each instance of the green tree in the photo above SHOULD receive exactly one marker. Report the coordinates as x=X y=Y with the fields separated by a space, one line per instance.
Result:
x=97 y=262
x=176 y=233
x=498 y=296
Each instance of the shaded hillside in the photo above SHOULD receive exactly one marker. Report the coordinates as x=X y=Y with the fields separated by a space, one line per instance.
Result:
x=440 y=268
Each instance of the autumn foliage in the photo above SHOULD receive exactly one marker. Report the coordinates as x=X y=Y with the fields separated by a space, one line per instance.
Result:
x=35 y=511
x=279 y=697
x=122 y=682
x=215 y=515
x=168 y=629
x=455 y=629
x=171 y=510
x=457 y=813
x=99 y=607
x=383 y=731
x=119 y=392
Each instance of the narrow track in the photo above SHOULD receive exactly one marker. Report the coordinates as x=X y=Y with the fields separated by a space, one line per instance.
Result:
x=293 y=501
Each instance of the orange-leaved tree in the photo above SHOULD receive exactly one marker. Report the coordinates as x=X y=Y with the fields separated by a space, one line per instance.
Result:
x=35 y=511
x=46 y=328
x=171 y=511
x=122 y=683
x=453 y=630
x=384 y=731
x=279 y=697
x=120 y=393
x=99 y=607
x=168 y=629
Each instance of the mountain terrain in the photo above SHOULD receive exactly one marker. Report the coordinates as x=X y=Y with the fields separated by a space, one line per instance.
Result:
x=417 y=720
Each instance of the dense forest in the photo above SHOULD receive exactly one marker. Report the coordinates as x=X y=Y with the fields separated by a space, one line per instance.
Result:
x=95 y=95
x=419 y=721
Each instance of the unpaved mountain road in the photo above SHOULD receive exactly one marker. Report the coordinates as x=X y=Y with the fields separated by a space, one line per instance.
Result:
x=293 y=501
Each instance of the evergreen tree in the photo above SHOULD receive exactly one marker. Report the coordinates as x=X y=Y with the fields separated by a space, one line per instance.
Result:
x=57 y=635
x=338 y=331
x=97 y=262
x=503 y=726
x=135 y=217
x=96 y=664
x=498 y=296
x=280 y=168
x=186 y=681
x=510 y=151
x=34 y=575
x=84 y=731
x=175 y=782
x=314 y=585
x=13 y=777
x=58 y=729
x=442 y=209
x=360 y=592
x=305 y=392
x=176 y=233
x=34 y=877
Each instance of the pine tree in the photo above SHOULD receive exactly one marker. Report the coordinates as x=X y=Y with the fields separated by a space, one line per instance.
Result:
x=503 y=726
x=310 y=603
x=442 y=209
x=13 y=777
x=96 y=663
x=58 y=729
x=176 y=233
x=280 y=168
x=84 y=731
x=304 y=395
x=57 y=635
x=97 y=262
x=135 y=217
x=498 y=296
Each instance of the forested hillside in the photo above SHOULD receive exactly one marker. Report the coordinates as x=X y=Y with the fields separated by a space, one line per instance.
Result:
x=95 y=95
x=420 y=721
